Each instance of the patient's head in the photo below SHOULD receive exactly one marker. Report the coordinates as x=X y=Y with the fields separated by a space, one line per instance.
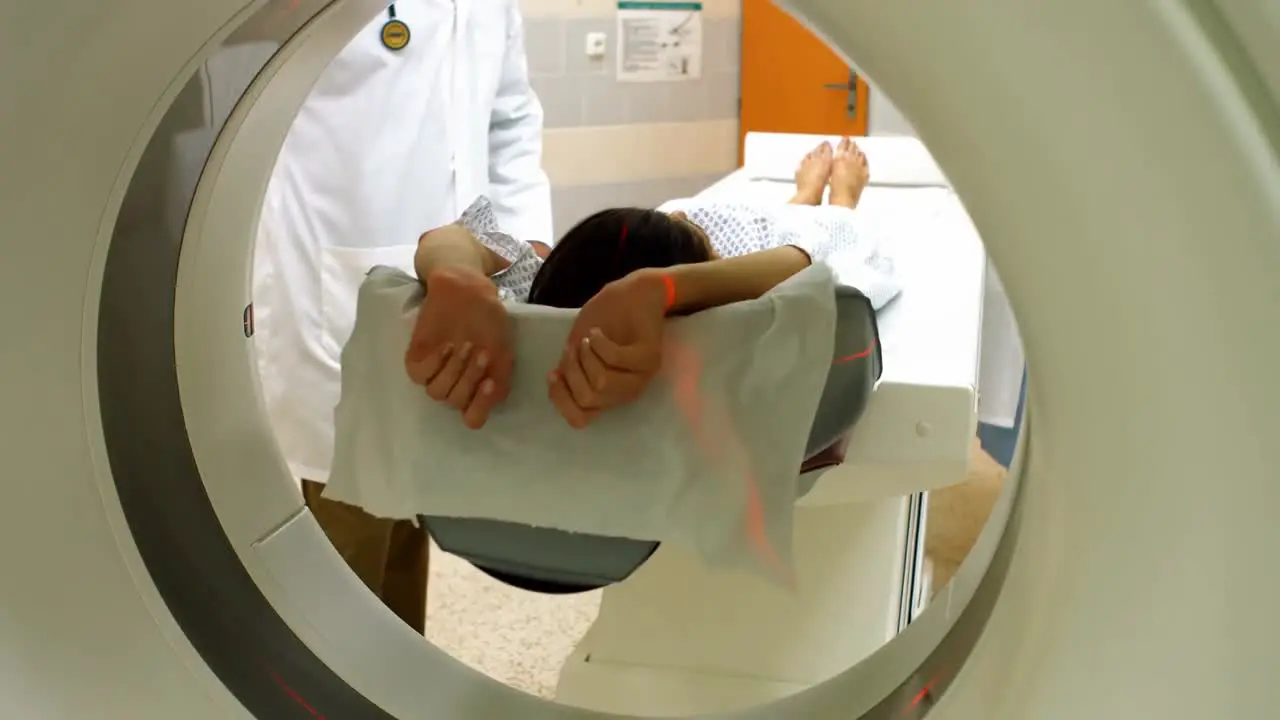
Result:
x=610 y=245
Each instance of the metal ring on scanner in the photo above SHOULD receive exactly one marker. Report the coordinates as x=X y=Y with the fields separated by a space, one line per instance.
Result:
x=151 y=241
x=1047 y=620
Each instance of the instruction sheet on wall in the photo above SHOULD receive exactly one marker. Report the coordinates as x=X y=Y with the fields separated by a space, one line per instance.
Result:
x=659 y=41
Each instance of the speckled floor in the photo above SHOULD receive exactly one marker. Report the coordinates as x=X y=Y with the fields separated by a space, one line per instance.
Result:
x=523 y=638
x=518 y=637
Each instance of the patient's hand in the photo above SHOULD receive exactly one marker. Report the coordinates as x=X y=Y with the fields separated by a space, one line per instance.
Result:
x=614 y=349
x=460 y=349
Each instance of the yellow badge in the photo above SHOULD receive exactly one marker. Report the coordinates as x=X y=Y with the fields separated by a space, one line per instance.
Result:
x=395 y=35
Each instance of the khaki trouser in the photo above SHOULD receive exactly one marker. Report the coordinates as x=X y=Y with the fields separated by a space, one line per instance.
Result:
x=390 y=556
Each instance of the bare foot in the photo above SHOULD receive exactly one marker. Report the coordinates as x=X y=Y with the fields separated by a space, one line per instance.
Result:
x=812 y=175
x=849 y=174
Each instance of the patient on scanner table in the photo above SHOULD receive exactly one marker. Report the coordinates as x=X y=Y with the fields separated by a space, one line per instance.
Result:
x=627 y=269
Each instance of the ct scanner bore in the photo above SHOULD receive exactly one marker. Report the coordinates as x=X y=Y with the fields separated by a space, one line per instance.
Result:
x=1121 y=159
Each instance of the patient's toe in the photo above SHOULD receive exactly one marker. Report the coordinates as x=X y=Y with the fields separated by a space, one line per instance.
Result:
x=815 y=165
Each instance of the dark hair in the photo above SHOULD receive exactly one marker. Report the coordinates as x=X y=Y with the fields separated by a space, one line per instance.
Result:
x=610 y=245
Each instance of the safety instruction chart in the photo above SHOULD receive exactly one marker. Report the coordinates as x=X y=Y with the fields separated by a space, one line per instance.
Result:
x=659 y=41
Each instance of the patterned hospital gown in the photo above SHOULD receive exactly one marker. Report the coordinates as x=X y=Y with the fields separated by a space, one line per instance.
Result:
x=824 y=232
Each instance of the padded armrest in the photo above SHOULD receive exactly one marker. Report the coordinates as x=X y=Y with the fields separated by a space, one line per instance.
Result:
x=555 y=561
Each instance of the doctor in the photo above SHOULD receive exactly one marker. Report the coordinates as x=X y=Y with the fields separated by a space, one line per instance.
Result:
x=427 y=108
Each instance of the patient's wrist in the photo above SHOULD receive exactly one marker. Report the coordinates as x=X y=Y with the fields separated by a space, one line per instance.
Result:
x=725 y=281
x=659 y=287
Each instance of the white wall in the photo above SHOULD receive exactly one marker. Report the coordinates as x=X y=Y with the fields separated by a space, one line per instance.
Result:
x=883 y=117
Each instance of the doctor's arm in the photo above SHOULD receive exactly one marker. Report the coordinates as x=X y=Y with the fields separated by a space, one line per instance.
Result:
x=519 y=188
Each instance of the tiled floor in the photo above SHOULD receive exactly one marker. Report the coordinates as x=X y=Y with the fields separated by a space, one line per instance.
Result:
x=523 y=638
x=957 y=515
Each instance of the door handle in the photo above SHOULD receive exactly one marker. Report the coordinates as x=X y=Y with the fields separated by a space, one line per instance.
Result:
x=850 y=87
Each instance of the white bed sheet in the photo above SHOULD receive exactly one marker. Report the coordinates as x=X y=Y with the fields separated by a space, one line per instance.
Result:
x=919 y=427
x=931 y=332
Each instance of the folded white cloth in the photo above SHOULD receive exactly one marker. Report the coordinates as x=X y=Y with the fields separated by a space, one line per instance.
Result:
x=645 y=471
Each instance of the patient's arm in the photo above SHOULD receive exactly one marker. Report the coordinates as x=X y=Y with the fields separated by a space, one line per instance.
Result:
x=622 y=325
x=453 y=248
x=700 y=286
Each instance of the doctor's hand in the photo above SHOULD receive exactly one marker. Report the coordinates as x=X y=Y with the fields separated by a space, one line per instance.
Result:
x=614 y=349
x=460 y=349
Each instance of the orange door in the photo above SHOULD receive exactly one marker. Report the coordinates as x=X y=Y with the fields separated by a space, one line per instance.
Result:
x=792 y=82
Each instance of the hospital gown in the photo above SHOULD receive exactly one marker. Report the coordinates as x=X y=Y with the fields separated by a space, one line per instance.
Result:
x=828 y=234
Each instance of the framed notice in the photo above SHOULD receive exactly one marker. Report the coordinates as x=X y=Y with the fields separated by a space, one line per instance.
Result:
x=659 y=41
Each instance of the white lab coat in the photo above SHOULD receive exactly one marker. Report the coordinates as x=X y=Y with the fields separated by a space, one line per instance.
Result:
x=388 y=145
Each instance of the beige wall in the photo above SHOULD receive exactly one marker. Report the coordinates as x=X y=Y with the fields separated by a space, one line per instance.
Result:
x=606 y=8
x=610 y=143
x=630 y=153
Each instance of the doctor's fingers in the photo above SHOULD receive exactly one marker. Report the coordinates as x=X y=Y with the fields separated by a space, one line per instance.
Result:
x=500 y=369
x=482 y=403
x=441 y=383
x=469 y=382
x=422 y=365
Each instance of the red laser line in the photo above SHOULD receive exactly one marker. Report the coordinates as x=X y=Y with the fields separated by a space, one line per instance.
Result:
x=924 y=693
x=857 y=356
x=669 y=286
x=622 y=243
x=685 y=367
x=292 y=693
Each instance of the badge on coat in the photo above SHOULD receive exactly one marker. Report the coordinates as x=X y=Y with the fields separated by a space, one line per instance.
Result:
x=395 y=33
